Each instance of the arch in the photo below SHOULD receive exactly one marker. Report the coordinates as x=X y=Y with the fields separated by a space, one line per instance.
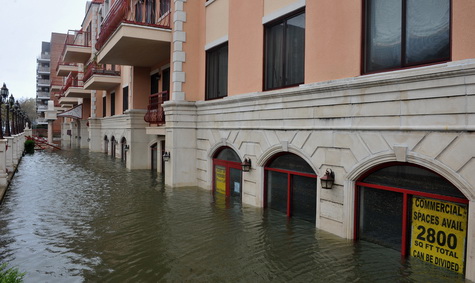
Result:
x=106 y=145
x=291 y=186
x=224 y=143
x=227 y=173
x=429 y=163
x=268 y=154
x=123 y=149
x=113 y=146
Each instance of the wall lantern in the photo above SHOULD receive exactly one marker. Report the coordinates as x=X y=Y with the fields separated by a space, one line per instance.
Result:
x=166 y=156
x=126 y=147
x=328 y=179
x=246 y=165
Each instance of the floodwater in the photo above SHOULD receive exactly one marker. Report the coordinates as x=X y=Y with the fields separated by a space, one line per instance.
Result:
x=76 y=216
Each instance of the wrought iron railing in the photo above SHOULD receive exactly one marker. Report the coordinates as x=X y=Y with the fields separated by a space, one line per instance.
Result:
x=155 y=113
x=99 y=69
x=122 y=11
x=72 y=81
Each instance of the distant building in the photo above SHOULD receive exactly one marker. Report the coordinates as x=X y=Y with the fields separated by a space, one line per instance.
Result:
x=43 y=83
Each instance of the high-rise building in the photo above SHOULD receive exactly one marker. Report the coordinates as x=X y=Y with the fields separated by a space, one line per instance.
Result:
x=43 y=83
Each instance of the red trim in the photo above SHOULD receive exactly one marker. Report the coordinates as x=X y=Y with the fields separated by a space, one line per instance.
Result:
x=404 y=225
x=416 y=193
x=291 y=172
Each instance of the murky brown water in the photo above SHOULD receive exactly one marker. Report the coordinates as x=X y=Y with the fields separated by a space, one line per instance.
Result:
x=75 y=216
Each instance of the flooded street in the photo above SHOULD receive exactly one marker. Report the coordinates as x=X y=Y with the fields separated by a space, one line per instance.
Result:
x=76 y=216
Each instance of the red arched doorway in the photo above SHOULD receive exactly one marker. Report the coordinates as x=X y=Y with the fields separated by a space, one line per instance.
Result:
x=415 y=211
x=291 y=187
x=227 y=173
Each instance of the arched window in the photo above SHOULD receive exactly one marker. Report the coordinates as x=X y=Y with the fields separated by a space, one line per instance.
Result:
x=227 y=173
x=106 y=145
x=123 y=149
x=291 y=187
x=413 y=210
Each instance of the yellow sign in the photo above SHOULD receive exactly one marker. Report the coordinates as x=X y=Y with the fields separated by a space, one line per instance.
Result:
x=220 y=179
x=439 y=230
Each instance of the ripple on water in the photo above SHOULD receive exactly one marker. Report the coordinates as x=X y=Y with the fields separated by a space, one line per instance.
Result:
x=75 y=216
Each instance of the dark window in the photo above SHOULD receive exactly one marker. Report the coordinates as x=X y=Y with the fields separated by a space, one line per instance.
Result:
x=291 y=187
x=113 y=104
x=150 y=11
x=166 y=80
x=104 y=104
x=217 y=72
x=285 y=52
x=154 y=83
x=401 y=33
x=125 y=98
x=164 y=7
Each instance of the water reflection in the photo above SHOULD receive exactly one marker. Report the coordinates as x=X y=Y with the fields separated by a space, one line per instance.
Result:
x=75 y=216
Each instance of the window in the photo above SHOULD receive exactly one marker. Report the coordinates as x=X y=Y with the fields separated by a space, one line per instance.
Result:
x=125 y=98
x=217 y=72
x=113 y=104
x=291 y=187
x=285 y=52
x=164 y=7
x=104 y=106
x=402 y=33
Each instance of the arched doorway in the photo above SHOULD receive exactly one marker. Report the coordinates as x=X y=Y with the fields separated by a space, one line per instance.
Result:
x=123 y=149
x=113 y=146
x=415 y=211
x=153 y=154
x=291 y=187
x=106 y=145
x=227 y=173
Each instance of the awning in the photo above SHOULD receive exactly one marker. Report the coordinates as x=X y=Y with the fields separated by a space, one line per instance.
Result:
x=75 y=112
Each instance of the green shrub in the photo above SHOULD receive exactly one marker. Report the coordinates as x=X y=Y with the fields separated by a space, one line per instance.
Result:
x=10 y=275
x=30 y=146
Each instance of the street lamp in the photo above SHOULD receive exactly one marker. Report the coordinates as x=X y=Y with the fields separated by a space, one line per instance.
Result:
x=3 y=96
x=12 y=104
x=17 y=117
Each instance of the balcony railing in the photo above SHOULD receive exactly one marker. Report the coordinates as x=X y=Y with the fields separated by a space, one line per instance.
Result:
x=99 y=69
x=72 y=81
x=155 y=113
x=140 y=14
x=65 y=64
x=42 y=82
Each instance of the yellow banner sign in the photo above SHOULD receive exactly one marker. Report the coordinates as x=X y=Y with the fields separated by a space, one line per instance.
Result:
x=439 y=230
x=220 y=179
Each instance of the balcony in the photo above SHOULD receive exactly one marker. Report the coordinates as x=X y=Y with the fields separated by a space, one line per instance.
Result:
x=68 y=101
x=74 y=87
x=42 y=95
x=42 y=82
x=64 y=69
x=135 y=36
x=77 y=47
x=101 y=77
x=56 y=84
x=42 y=70
x=155 y=114
x=44 y=58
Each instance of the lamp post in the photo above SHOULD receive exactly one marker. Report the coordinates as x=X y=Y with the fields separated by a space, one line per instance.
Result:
x=12 y=104
x=17 y=117
x=3 y=96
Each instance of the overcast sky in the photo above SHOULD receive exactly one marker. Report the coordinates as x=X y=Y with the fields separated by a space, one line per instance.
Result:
x=24 y=24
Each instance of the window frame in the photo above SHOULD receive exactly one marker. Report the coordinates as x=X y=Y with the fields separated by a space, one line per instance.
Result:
x=274 y=23
x=402 y=65
x=215 y=51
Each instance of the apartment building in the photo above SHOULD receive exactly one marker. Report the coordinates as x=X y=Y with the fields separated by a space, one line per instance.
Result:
x=43 y=83
x=356 y=115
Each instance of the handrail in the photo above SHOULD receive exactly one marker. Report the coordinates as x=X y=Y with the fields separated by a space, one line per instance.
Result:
x=122 y=12
x=155 y=113
x=98 y=69
x=116 y=15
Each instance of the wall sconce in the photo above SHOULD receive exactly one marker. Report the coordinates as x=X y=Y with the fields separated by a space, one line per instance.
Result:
x=328 y=179
x=126 y=147
x=246 y=165
x=166 y=156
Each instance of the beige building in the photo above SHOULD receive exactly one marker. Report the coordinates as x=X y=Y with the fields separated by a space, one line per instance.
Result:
x=379 y=94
